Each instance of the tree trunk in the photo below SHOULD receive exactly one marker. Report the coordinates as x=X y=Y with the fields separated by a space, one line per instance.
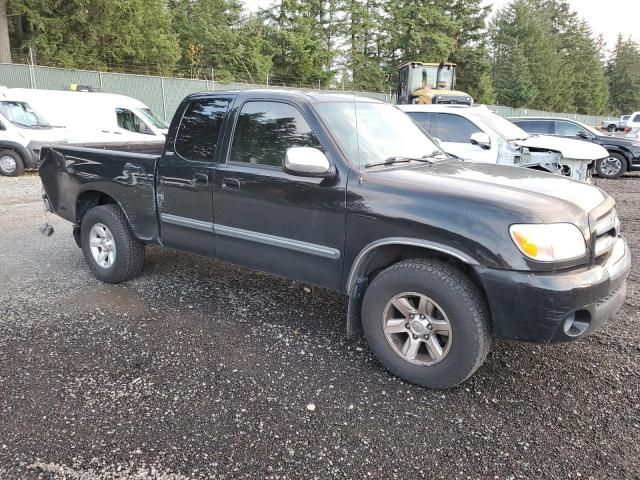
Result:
x=5 y=51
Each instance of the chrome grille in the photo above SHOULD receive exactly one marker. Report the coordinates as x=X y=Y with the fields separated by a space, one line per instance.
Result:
x=606 y=231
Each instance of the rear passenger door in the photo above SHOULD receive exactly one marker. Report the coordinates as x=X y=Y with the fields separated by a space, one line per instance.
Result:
x=454 y=133
x=185 y=177
x=270 y=220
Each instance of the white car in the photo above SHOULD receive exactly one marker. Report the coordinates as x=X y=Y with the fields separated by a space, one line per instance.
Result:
x=23 y=131
x=479 y=135
x=92 y=117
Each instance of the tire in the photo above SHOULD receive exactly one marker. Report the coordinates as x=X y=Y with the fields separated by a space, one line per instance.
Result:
x=455 y=300
x=613 y=166
x=108 y=223
x=612 y=128
x=11 y=163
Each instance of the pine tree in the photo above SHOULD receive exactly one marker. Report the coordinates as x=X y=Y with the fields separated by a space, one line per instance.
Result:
x=623 y=72
x=125 y=35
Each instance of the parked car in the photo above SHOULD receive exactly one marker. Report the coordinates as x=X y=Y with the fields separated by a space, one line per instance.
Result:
x=436 y=255
x=23 y=130
x=479 y=135
x=624 y=153
x=634 y=122
x=615 y=124
x=96 y=116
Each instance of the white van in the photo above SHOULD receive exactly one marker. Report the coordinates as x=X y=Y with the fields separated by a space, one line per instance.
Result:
x=479 y=135
x=23 y=130
x=92 y=117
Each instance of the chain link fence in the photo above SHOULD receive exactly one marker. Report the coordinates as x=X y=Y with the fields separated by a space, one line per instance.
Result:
x=163 y=94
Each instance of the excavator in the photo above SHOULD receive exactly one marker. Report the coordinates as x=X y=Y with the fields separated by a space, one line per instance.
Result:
x=429 y=83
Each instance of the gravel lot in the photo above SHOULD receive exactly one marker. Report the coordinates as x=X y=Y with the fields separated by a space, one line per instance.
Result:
x=199 y=369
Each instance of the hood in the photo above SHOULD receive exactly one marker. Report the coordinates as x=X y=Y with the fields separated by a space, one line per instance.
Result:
x=618 y=141
x=550 y=197
x=569 y=148
x=44 y=134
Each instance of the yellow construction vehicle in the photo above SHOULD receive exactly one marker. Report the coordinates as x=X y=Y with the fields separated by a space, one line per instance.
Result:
x=429 y=83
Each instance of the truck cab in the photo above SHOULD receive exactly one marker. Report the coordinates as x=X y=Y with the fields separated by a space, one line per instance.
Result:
x=429 y=83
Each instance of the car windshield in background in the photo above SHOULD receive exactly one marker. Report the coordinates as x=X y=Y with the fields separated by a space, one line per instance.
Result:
x=371 y=133
x=21 y=115
x=503 y=127
x=148 y=115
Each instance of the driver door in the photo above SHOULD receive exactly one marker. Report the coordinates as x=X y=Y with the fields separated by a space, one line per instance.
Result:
x=268 y=219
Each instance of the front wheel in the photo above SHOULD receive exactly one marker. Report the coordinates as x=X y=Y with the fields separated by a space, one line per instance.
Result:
x=426 y=322
x=11 y=164
x=613 y=166
x=612 y=128
x=113 y=254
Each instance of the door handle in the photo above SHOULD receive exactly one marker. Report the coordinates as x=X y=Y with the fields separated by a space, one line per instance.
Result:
x=231 y=184
x=200 y=179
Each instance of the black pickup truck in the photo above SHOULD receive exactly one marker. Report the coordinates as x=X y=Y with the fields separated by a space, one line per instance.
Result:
x=437 y=256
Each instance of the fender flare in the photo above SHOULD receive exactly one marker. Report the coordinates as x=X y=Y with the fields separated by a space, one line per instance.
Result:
x=28 y=159
x=356 y=284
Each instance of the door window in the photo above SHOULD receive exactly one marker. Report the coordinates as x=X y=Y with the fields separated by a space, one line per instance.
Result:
x=199 y=129
x=454 y=128
x=130 y=121
x=265 y=130
x=568 y=129
x=422 y=119
x=636 y=119
x=541 y=127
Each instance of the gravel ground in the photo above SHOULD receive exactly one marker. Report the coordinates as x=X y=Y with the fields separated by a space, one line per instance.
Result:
x=199 y=369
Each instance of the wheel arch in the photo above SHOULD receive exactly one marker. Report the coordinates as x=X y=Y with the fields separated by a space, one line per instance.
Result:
x=381 y=254
x=86 y=201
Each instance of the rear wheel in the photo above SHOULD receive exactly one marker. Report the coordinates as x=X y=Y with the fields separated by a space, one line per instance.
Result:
x=113 y=254
x=11 y=163
x=426 y=322
x=613 y=166
x=612 y=128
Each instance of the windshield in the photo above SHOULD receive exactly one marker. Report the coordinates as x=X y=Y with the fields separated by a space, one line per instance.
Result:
x=427 y=75
x=21 y=114
x=503 y=127
x=148 y=115
x=371 y=133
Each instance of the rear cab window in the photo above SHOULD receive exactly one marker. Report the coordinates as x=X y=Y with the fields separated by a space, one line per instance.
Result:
x=199 y=129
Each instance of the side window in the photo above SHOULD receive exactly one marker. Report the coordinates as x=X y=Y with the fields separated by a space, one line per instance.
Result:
x=130 y=121
x=567 y=129
x=265 y=130
x=454 y=128
x=636 y=119
x=542 y=127
x=422 y=119
x=199 y=129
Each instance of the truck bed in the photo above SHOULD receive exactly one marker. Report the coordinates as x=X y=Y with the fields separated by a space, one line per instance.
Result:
x=76 y=177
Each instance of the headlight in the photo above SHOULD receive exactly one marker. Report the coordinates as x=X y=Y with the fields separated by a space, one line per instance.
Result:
x=549 y=242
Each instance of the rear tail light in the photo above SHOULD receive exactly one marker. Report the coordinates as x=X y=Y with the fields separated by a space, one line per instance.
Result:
x=627 y=129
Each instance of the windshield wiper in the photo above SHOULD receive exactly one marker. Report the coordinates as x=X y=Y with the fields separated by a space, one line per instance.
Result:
x=394 y=160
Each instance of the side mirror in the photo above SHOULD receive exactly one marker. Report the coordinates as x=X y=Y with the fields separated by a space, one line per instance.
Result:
x=481 y=139
x=307 y=162
x=582 y=134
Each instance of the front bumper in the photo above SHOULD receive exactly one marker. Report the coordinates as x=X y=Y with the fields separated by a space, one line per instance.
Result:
x=556 y=307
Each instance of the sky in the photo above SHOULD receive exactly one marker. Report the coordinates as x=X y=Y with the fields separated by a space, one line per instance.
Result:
x=606 y=17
